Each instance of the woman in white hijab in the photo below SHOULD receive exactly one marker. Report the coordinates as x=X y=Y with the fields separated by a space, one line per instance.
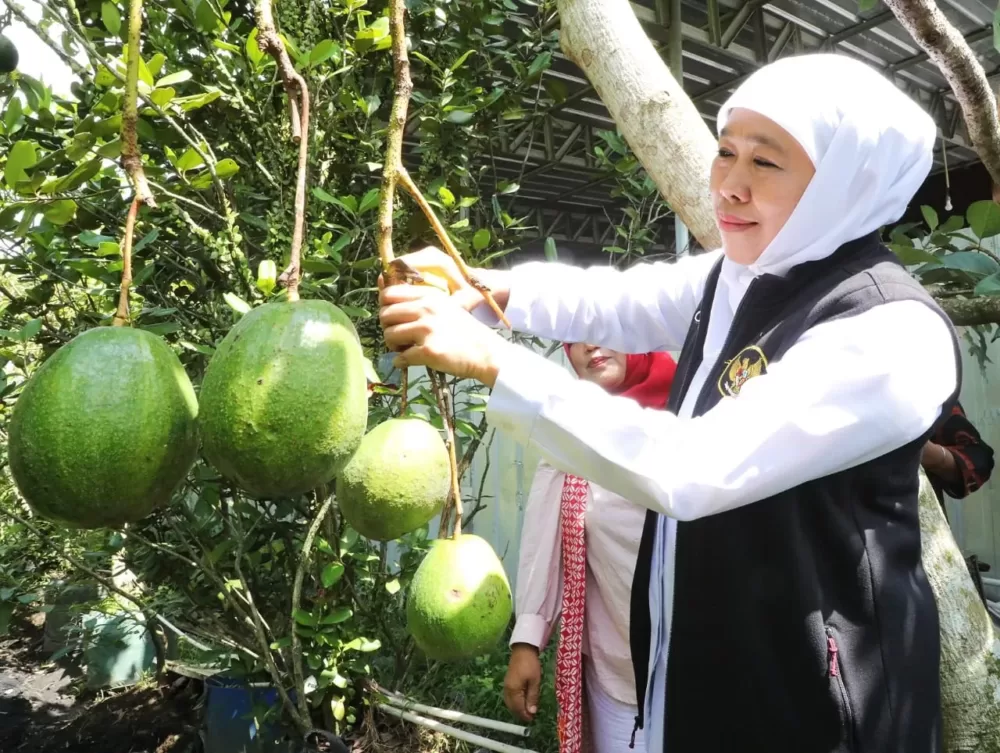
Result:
x=787 y=607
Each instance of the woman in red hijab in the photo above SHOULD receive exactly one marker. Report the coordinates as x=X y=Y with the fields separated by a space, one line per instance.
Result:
x=578 y=550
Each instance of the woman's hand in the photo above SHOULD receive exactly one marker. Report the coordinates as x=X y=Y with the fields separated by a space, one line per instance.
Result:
x=523 y=680
x=429 y=328
x=434 y=263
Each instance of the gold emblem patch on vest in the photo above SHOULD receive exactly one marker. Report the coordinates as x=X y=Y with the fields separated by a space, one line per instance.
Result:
x=747 y=364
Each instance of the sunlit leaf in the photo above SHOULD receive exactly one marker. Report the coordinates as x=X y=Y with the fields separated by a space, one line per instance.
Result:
x=60 y=212
x=111 y=17
x=174 y=78
x=331 y=574
x=481 y=239
x=305 y=618
x=236 y=303
x=22 y=155
x=984 y=218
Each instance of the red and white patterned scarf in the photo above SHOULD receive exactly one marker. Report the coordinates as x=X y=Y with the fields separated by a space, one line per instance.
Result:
x=647 y=381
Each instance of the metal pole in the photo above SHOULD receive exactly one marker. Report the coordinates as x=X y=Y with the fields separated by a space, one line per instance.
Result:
x=676 y=61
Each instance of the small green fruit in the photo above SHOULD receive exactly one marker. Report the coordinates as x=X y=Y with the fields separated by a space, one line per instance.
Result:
x=459 y=602
x=397 y=480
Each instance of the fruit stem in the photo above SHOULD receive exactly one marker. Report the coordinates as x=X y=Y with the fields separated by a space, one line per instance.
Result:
x=123 y=316
x=439 y=230
x=439 y=385
x=297 y=92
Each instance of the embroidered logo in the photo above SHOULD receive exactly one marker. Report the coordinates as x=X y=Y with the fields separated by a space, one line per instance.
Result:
x=747 y=364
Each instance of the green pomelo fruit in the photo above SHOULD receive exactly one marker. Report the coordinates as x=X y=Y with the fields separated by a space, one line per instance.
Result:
x=397 y=480
x=105 y=430
x=8 y=55
x=284 y=403
x=459 y=602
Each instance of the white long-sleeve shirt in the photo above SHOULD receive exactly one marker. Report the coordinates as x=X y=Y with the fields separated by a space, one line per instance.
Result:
x=613 y=528
x=850 y=390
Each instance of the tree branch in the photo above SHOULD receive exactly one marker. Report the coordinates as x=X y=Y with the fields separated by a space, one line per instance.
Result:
x=305 y=556
x=298 y=94
x=439 y=386
x=948 y=50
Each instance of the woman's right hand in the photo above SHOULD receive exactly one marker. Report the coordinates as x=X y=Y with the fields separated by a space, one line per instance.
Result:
x=523 y=681
x=435 y=263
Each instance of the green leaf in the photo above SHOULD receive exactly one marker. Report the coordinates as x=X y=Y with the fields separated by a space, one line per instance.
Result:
x=22 y=155
x=446 y=196
x=226 y=168
x=911 y=255
x=197 y=100
x=148 y=238
x=984 y=218
x=460 y=117
x=541 y=63
x=108 y=248
x=205 y=16
x=393 y=586
x=323 y=51
x=952 y=224
x=331 y=574
x=28 y=332
x=12 y=114
x=989 y=285
x=189 y=161
x=163 y=328
x=253 y=50
x=111 y=17
x=320 y=266
x=329 y=198
x=481 y=239
x=930 y=216
x=155 y=64
x=236 y=303
x=111 y=150
x=80 y=175
x=461 y=61
x=60 y=212
x=338 y=615
x=972 y=262
x=267 y=276
x=145 y=75
x=305 y=618
x=174 y=78
x=506 y=188
x=550 y=249
x=369 y=201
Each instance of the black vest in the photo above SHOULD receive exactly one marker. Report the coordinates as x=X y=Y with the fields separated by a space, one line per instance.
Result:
x=802 y=623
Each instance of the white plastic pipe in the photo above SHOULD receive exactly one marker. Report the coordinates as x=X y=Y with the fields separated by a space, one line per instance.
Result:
x=395 y=699
x=444 y=729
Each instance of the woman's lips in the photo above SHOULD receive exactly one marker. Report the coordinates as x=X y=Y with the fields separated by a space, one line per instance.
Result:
x=596 y=363
x=730 y=224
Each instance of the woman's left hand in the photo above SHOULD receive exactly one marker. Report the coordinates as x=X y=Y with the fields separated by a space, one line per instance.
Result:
x=428 y=329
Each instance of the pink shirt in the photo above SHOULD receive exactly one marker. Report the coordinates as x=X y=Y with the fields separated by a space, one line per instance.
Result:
x=613 y=530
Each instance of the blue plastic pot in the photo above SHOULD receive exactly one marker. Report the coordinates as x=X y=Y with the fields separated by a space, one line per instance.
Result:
x=230 y=725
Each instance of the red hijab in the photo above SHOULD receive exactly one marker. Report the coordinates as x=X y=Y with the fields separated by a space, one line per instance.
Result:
x=648 y=377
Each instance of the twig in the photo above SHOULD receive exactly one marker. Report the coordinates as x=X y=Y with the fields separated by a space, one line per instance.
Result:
x=298 y=95
x=439 y=229
x=305 y=556
x=123 y=316
x=440 y=388
x=404 y=389
x=131 y=156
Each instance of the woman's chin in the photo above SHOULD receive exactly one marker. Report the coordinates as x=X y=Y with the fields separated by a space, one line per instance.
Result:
x=740 y=250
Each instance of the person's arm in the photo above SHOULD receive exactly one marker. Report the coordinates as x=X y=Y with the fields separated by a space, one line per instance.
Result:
x=539 y=591
x=958 y=457
x=539 y=569
x=844 y=394
x=645 y=308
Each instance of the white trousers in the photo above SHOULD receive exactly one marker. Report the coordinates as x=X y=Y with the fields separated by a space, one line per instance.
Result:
x=610 y=721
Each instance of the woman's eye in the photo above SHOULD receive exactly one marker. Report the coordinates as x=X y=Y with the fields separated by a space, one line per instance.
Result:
x=763 y=163
x=725 y=152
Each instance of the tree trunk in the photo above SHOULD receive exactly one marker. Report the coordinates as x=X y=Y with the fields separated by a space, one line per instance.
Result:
x=650 y=107
x=970 y=652
x=668 y=135
x=948 y=50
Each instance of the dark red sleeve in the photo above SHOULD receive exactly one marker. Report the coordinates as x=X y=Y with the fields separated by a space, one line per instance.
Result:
x=972 y=455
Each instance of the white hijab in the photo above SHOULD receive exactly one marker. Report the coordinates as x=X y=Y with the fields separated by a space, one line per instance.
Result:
x=872 y=148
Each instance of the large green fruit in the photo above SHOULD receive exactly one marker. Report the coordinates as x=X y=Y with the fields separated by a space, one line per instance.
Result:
x=105 y=430
x=459 y=602
x=8 y=55
x=284 y=403
x=397 y=480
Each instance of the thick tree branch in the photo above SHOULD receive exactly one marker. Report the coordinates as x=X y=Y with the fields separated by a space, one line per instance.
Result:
x=948 y=50
x=659 y=121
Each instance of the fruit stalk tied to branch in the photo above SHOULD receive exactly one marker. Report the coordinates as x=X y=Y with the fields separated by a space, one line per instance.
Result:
x=131 y=156
x=439 y=385
x=298 y=106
